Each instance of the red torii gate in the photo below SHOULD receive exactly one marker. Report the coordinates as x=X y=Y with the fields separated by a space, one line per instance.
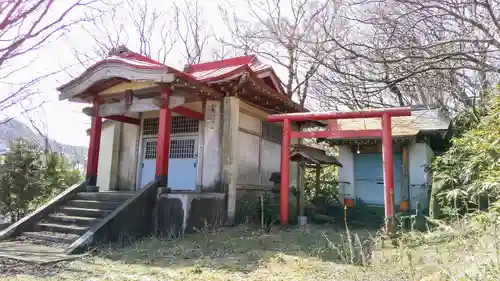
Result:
x=333 y=132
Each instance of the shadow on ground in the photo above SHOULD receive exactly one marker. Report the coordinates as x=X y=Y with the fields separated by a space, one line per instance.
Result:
x=241 y=248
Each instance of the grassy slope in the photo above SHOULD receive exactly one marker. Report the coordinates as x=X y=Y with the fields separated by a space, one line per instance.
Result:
x=317 y=253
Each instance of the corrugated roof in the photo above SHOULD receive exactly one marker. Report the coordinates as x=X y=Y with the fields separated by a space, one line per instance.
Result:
x=311 y=155
x=215 y=71
x=419 y=121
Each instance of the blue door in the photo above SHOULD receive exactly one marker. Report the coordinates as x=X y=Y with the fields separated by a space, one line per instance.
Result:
x=182 y=163
x=148 y=168
x=369 y=178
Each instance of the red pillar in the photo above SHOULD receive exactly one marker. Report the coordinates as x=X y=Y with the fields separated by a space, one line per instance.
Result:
x=285 y=171
x=94 y=145
x=163 y=144
x=388 y=166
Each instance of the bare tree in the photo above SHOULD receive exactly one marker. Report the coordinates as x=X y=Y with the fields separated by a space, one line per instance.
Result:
x=151 y=31
x=191 y=30
x=282 y=31
x=434 y=52
x=25 y=27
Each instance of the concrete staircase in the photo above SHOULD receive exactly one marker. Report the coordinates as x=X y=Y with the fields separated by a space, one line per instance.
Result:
x=73 y=218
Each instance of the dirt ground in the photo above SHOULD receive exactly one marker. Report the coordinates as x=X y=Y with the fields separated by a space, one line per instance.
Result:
x=246 y=253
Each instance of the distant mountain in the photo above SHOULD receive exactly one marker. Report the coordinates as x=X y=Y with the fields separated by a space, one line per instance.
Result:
x=13 y=130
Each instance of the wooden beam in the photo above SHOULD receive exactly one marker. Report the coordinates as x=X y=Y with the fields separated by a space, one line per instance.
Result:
x=405 y=179
x=318 y=180
x=189 y=112
x=138 y=105
x=124 y=119
x=342 y=134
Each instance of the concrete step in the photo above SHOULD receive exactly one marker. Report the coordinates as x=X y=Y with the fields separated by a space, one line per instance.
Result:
x=54 y=237
x=115 y=196
x=64 y=228
x=66 y=219
x=84 y=212
x=94 y=204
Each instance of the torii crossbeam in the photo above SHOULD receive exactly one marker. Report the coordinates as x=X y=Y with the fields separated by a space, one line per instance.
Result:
x=333 y=132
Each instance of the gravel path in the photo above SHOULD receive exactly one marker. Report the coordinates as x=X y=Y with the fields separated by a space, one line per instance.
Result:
x=9 y=267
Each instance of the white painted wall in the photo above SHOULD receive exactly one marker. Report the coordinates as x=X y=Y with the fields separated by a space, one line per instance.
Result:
x=129 y=149
x=107 y=166
x=211 y=145
x=346 y=172
x=420 y=156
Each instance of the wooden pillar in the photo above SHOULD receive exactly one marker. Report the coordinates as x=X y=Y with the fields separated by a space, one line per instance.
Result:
x=163 y=143
x=94 y=145
x=318 y=178
x=404 y=204
x=230 y=146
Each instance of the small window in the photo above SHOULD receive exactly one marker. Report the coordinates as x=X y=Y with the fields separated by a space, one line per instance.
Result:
x=182 y=148
x=150 y=126
x=180 y=125
x=150 y=150
x=184 y=124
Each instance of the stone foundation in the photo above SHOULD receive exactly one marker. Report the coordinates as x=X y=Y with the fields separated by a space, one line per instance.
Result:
x=180 y=213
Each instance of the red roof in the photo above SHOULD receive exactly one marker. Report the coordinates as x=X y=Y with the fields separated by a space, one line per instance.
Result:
x=203 y=73
x=228 y=69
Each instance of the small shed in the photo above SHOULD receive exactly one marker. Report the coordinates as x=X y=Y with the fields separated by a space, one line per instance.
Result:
x=416 y=139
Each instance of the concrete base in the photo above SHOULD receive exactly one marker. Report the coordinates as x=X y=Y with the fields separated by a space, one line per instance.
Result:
x=4 y=225
x=184 y=212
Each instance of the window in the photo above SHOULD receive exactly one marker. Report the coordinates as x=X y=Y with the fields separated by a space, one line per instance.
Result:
x=150 y=150
x=150 y=126
x=180 y=125
x=183 y=148
x=184 y=124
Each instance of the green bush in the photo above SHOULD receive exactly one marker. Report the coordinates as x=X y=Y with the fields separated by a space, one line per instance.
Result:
x=28 y=178
x=470 y=169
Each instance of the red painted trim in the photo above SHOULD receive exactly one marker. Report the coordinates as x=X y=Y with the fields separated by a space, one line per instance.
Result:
x=188 y=112
x=285 y=172
x=94 y=143
x=388 y=166
x=317 y=116
x=124 y=119
x=333 y=125
x=163 y=144
x=343 y=134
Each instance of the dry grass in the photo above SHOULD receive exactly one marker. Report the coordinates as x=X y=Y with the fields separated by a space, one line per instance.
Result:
x=462 y=252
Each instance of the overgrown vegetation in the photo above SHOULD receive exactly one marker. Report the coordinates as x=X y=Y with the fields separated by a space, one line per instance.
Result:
x=470 y=169
x=466 y=250
x=29 y=177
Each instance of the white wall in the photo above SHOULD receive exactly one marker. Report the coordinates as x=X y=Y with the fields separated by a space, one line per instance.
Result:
x=248 y=159
x=420 y=156
x=211 y=145
x=346 y=172
x=270 y=160
x=107 y=165
x=129 y=149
